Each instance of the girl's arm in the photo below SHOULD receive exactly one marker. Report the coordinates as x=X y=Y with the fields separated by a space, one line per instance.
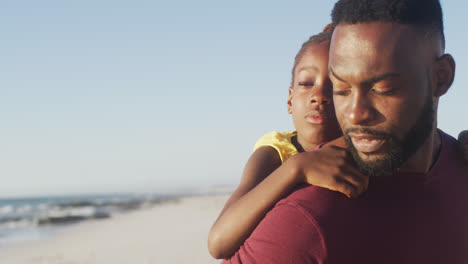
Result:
x=241 y=215
x=264 y=182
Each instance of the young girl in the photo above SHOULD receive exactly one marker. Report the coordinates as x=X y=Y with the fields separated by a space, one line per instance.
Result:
x=283 y=160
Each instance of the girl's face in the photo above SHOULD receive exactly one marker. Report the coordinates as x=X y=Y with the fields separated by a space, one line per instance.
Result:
x=310 y=99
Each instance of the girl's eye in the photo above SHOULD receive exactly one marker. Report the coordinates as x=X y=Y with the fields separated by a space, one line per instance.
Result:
x=306 y=83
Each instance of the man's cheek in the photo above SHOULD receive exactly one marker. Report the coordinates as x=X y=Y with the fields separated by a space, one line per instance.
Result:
x=340 y=115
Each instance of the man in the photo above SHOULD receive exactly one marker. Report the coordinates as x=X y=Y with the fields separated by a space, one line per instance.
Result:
x=388 y=69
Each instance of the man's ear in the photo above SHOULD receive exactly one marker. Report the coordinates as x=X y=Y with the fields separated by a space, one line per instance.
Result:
x=289 y=100
x=445 y=73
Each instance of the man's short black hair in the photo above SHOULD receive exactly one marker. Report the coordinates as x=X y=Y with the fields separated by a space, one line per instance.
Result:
x=424 y=13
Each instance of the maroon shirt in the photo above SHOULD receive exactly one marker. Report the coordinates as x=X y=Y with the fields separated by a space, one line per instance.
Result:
x=403 y=218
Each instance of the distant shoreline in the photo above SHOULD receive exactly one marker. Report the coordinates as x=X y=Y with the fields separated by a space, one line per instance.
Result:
x=174 y=231
x=35 y=218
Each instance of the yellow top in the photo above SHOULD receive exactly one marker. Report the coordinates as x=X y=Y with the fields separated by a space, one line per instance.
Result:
x=281 y=141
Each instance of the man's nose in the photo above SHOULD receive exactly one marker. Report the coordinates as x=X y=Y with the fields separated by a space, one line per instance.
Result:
x=361 y=110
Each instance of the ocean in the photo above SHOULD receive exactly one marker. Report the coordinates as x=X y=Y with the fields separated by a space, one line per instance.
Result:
x=33 y=218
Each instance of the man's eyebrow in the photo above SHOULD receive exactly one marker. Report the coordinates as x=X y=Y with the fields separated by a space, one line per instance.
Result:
x=381 y=77
x=334 y=74
x=373 y=79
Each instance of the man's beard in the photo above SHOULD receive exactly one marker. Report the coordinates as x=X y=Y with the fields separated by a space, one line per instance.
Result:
x=399 y=150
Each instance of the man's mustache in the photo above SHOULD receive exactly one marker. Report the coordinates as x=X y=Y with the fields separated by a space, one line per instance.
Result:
x=369 y=131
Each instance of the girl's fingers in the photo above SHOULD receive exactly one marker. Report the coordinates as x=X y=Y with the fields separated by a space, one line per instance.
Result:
x=346 y=188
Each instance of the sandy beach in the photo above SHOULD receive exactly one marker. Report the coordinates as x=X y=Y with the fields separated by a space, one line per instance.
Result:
x=173 y=232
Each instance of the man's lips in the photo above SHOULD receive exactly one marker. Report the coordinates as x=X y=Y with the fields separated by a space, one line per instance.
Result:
x=316 y=117
x=366 y=143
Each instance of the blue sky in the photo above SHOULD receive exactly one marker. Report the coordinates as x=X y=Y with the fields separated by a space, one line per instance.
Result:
x=104 y=96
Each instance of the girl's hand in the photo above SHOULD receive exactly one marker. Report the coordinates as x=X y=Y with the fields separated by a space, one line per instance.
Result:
x=331 y=167
x=463 y=140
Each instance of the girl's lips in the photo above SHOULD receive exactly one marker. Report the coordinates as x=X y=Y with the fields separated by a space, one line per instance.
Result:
x=367 y=143
x=316 y=117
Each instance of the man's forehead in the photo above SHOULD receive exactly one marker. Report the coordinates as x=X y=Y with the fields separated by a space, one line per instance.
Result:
x=369 y=37
x=371 y=47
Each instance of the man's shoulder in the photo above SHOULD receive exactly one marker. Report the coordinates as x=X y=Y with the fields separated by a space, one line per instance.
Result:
x=318 y=203
x=450 y=158
x=305 y=192
x=287 y=234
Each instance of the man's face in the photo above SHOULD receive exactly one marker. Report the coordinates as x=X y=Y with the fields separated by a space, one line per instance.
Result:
x=382 y=86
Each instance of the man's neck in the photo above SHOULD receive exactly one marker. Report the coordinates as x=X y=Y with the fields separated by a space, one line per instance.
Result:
x=425 y=156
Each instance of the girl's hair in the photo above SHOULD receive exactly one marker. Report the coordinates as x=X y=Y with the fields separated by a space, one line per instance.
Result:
x=319 y=38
